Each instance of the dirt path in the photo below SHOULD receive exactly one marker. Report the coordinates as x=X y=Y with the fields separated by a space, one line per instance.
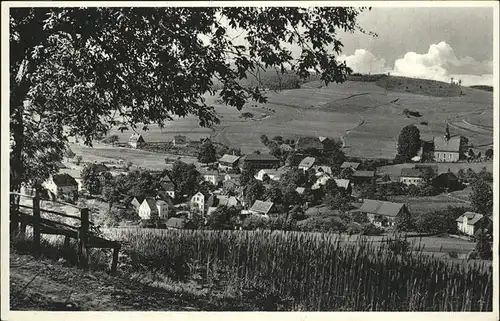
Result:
x=348 y=131
x=42 y=284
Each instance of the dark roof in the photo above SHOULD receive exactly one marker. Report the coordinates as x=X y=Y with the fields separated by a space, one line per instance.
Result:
x=162 y=195
x=231 y=159
x=64 y=180
x=180 y=138
x=139 y=199
x=450 y=145
x=261 y=207
x=447 y=176
x=308 y=142
x=381 y=207
x=152 y=203
x=363 y=174
x=176 y=222
x=260 y=157
x=167 y=186
x=101 y=167
x=412 y=172
x=136 y=138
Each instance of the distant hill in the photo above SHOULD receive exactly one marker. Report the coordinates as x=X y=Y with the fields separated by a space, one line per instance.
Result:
x=482 y=87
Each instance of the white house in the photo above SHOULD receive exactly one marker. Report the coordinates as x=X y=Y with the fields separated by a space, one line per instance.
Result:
x=274 y=174
x=322 y=179
x=211 y=177
x=62 y=184
x=136 y=140
x=468 y=222
x=151 y=208
x=198 y=201
x=322 y=169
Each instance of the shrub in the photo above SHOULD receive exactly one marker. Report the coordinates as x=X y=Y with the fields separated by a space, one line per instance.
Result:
x=453 y=255
x=370 y=229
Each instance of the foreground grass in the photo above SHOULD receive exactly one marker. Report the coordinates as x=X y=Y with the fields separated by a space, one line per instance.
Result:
x=316 y=272
x=292 y=271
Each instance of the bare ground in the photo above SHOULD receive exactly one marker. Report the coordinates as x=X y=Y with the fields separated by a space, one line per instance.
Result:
x=47 y=285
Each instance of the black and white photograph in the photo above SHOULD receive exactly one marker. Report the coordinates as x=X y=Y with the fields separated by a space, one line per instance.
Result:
x=249 y=157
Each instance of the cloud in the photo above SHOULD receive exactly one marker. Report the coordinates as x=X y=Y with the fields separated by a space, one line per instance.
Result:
x=364 y=62
x=441 y=63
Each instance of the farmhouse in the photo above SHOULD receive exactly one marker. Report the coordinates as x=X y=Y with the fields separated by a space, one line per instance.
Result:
x=261 y=208
x=179 y=141
x=151 y=208
x=62 y=185
x=382 y=213
x=198 y=201
x=307 y=163
x=274 y=174
x=223 y=200
x=353 y=165
x=136 y=141
x=446 y=181
x=345 y=184
x=360 y=177
x=448 y=149
x=261 y=161
x=76 y=174
x=228 y=162
x=415 y=175
x=168 y=187
x=470 y=222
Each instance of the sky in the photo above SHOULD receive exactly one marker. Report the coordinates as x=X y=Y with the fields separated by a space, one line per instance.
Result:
x=434 y=43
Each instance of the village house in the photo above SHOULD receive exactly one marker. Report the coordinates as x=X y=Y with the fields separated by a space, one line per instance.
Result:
x=136 y=141
x=261 y=161
x=361 y=177
x=382 y=213
x=261 y=208
x=448 y=149
x=136 y=202
x=210 y=176
x=198 y=202
x=320 y=181
x=232 y=177
x=345 y=184
x=286 y=148
x=228 y=162
x=179 y=141
x=417 y=174
x=300 y=190
x=307 y=163
x=469 y=223
x=447 y=182
x=151 y=208
x=62 y=185
x=353 y=165
x=76 y=174
x=274 y=174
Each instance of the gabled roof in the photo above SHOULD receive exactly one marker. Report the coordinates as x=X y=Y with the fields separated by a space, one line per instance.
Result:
x=308 y=142
x=381 y=207
x=472 y=218
x=300 y=190
x=64 y=180
x=363 y=174
x=167 y=186
x=136 y=138
x=151 y=203
x=163 y=195
x=175 y=222
x=443 y=145
x=307 y=162
x=344 y=183
x=138 y=199
x=228 y=201
x=412 y=172
x=261 y=207
x=101 y=167
x=161 y=203
x=352 y=165
x=166 y=178
x=260 y=157
x=231 y=159
x=286 y=148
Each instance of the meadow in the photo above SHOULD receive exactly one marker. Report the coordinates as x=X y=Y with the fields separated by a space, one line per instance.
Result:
x=394 y=171
x=368 y=116
x=312 y=271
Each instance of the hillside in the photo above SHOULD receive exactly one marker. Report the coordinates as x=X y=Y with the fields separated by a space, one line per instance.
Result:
x=364 y=114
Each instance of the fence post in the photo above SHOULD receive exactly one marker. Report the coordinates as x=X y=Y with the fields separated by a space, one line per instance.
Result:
x=36 y=219
x=83 y=235
x=14 y=215
x=114 y=263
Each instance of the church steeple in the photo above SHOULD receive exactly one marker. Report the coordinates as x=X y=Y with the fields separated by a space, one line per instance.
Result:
x=447 y=135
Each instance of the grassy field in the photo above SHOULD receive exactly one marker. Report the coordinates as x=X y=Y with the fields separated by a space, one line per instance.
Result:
x=368 y=116
x=394 y=171
x=430 y=203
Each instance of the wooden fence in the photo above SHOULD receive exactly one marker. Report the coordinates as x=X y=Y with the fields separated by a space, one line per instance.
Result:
x=83 y=234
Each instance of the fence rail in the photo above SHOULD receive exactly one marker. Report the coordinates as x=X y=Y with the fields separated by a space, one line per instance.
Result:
x=86 y=240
